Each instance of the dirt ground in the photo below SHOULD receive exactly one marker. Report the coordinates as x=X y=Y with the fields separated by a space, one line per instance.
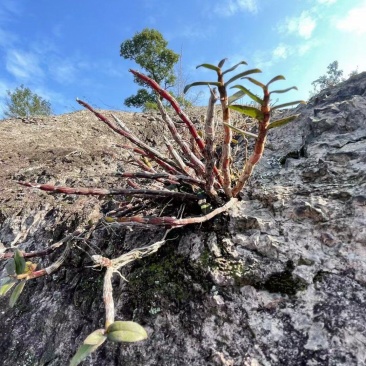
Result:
x=74 y=149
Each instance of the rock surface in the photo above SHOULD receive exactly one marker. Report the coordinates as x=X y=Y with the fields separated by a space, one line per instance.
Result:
x=280 y=280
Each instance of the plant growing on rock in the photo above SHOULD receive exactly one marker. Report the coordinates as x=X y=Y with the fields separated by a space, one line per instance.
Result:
x=187 y=170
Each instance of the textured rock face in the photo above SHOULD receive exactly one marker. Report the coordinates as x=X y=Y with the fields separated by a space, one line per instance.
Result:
x=280 y=280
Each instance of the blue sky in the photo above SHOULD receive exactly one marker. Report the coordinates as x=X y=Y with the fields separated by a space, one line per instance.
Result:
x=68 y=49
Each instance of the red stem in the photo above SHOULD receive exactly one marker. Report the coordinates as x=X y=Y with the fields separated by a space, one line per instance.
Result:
x=104 y=192
x=180 y=113
x=132 y=138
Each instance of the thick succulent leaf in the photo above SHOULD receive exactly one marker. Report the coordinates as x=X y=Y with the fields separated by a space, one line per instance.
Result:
x=283 y=90
x=248 y=111
x=221 y=63
x=209 y=66
x=241 y=75
x=4 y=280
x=233 y=98
x=296 y=102
x=215 y=83
x=96 y=338
x=249 y=93
x=16 y=293
x=242 y=132
x=283 y=121
x=234 y=67
x=91 y=343
x=10 y=267
x=126 y=331
x=278 y=77
x=256 y=82
x=19 y=262
x=6 y=284
x=125 y=336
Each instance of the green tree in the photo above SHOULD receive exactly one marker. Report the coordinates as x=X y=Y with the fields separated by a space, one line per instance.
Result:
x=22 y=102
x=149 y=50
x=332 y=77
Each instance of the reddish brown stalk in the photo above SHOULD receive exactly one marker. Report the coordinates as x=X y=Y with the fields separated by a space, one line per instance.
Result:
x=134 y=149
x=172 y=221
x=54 y=266
x=132 y=184
x=167 y=167
x=143 y=165
x=146 y=168
x=163 y=164
x=258 y=147
x=173 y=179
x=153 y=84
x=189 y=155
x=209 y=151
x=226 y=148
x=104 y=192
x=174 y=104
x=131 y=137
x=195 y=149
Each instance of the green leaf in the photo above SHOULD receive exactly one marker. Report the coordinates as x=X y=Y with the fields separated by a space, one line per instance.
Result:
x=283 y=121
x=10 y=267
x=234 y=67
x=256 y=82
x=215 y=83
x=126 y=331
x=221 y=63
x=91 y=343
x=16 y=293
x=249 y=93
x=6 y=285
x=296 y=102
x=4 y=280
x=19 y=262
x=283 y=90
x=239 y=94
x=209 y=66
x=278 y=77
x=241 y=75
x=248 y=111
x=242 y=132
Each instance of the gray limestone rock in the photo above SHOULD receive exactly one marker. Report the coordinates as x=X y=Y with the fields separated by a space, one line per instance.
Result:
x=280 y=280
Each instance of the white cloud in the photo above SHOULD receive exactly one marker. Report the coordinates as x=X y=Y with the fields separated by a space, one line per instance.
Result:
x=354 y=21
x=231 y=7
x=23 y=65
x=281 y=51
x=302 y=25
